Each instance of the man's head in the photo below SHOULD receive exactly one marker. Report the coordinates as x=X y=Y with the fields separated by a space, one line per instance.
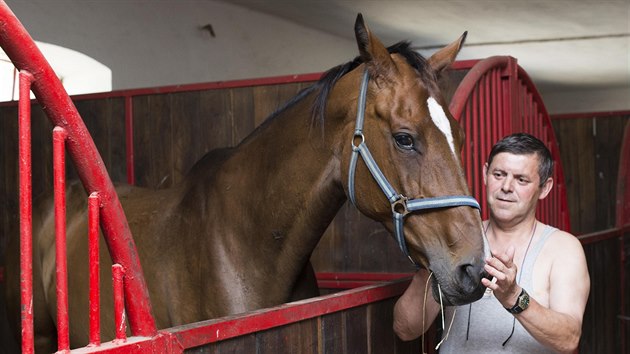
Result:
x=525 y=144
x=517 y=175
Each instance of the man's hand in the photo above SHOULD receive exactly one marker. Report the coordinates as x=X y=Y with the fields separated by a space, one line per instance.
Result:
x=503 y=269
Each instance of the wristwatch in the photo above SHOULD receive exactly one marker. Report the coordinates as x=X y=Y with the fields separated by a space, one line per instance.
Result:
x=522 y=303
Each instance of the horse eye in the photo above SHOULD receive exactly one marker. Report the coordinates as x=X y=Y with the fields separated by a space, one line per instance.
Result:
x=404 y=141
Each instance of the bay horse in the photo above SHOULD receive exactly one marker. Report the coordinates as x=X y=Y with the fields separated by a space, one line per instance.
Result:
x=237 y=233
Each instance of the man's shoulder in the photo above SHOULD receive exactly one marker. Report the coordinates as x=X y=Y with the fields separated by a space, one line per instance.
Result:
x=562 y=245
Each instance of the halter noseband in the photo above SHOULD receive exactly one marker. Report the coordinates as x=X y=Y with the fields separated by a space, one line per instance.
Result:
x=401 y=205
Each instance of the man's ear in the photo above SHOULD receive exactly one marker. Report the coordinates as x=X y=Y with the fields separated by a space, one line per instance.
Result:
x=546 y=188
x=485 y=174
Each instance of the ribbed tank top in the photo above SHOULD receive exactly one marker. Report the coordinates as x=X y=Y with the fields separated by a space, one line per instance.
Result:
x=490 y=323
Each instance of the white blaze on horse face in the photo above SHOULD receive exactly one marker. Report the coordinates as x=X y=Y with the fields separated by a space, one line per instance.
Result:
x=441 y=121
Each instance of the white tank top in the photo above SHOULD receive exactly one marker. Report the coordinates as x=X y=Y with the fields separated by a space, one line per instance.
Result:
x=490 y=324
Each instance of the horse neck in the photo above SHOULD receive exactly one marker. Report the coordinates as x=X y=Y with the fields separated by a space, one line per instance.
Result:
x=288 y=177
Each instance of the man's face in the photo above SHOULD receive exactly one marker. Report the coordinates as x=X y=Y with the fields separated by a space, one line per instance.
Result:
x=513 y=186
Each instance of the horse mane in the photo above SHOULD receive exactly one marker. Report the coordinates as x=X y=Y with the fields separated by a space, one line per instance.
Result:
x=329 y=79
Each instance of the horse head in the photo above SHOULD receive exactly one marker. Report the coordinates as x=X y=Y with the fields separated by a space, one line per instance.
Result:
x=411 y=177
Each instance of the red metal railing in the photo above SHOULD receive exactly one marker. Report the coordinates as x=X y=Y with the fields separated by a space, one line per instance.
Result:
x=71 y=133
x=497 y=98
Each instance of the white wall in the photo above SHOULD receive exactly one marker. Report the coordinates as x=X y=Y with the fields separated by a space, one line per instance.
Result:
x=157 y=43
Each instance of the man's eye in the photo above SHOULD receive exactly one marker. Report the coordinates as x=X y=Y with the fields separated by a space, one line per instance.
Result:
x=404 y=141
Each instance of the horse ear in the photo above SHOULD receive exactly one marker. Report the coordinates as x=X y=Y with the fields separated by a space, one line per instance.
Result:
x=372 y=51
x=444 y=57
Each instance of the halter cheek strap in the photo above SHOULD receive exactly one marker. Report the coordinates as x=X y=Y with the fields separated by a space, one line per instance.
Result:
x=401 y=205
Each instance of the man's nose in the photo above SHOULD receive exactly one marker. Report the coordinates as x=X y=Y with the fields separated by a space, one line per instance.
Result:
x=506 y=186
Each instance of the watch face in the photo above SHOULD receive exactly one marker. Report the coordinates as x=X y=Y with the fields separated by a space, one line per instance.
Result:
x=523 y=301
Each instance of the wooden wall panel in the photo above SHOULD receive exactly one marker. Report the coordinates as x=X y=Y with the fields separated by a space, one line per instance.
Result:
x=105 y=120
x=9 y=207
x=589 y=148
x=601 y=324
x=153 y=141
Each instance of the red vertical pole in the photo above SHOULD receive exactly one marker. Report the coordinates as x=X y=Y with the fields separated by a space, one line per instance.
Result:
x=93 y=249
x=510 y=96
x=119 y=303
x=486 y=120
x=474 y=132
x=467 y=116
x=59 y=177
x=26 y=213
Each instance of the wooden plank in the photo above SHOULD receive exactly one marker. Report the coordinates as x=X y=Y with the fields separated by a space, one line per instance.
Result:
x=579 y=167
x=241 y=114
x=152 y=127
x=357 y=331
x=105 y=120
x=608 y=137
x=332 y=334
x=299 y=337
x=601 y=326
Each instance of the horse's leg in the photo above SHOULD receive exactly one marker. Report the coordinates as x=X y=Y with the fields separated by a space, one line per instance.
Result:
x=305 y=285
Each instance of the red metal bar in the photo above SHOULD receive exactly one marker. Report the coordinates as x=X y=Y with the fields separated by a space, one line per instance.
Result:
x=61 y=272
x=94 y=261
x=118 y=273
x=196 y=334
x=26 y=213
x=25 y=55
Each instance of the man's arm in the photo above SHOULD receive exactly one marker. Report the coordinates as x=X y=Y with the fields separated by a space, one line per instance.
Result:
x=408 y=311
x=558 y=327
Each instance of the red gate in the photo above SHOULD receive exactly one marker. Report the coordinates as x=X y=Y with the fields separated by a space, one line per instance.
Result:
x=497 y=98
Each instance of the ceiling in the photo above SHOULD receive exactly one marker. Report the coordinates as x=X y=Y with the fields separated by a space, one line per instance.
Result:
x=562 y=44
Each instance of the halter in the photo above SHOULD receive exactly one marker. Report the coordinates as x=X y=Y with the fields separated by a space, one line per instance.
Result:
x=401 y=205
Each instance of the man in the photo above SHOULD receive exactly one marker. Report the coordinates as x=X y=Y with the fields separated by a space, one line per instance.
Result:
x=540 y=282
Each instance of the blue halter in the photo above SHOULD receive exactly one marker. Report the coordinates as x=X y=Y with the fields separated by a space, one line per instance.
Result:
x=401 y=205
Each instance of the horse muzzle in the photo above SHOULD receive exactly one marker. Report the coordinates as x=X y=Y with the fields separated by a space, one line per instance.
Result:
x=459 y=286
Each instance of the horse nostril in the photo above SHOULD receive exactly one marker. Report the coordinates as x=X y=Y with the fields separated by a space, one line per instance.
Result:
x=470 y=276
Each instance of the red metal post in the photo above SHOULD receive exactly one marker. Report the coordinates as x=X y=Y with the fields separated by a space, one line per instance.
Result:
x=118 y=273
x=26 y=213
x=93 y=249
x=59 y=177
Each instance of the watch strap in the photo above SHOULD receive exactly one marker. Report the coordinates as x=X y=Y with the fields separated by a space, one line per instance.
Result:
x=522 y=303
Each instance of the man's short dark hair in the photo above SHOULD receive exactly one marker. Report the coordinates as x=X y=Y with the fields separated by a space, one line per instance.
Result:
x=526 y=144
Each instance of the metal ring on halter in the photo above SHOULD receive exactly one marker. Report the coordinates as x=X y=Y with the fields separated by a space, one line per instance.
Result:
x=357 y=134
x=400 y=205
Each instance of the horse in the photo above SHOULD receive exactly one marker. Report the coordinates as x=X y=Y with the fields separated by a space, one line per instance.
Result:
x=237 y=233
